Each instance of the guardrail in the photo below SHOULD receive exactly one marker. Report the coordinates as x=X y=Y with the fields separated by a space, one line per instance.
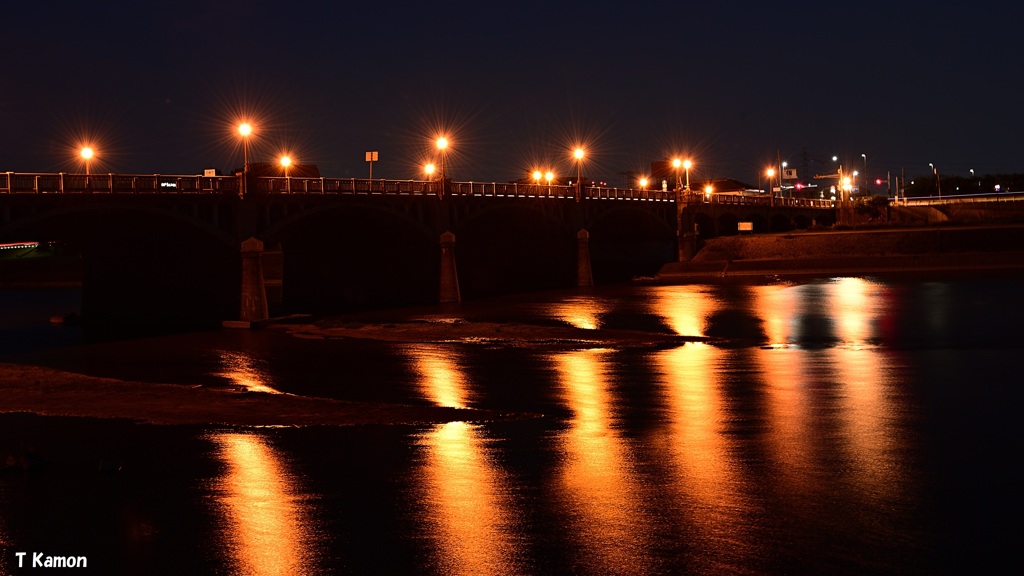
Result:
x=63 y=183
x=960 y=199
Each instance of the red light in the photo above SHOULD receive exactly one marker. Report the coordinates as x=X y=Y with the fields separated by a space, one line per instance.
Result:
x=878 y=181
x=799 y=186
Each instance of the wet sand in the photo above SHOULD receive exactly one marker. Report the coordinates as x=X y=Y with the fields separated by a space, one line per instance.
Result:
x=49 y=392
x=444 y=330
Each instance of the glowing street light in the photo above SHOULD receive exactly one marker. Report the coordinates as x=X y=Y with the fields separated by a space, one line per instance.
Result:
x=442 y=147
x=429 y=170
x=578 y=154
x=643 y=183
x=549 y=176
x=771 y=193
x=686 y=166
x=286 y=161
x=935 y=171
x=707 y=192
x=245 y=130
x=87 y=154
x=536 y=177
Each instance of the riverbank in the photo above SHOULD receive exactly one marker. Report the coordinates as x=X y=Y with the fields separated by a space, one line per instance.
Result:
x=49 y=392
x=948 y=249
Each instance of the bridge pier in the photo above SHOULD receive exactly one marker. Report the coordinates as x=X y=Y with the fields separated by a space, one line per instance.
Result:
x=253 y=306
x=449 y=289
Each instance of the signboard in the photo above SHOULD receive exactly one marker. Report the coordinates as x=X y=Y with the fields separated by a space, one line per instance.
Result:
x=210 y=172
x=745 y=226
x=789 y=173
x=371 y=156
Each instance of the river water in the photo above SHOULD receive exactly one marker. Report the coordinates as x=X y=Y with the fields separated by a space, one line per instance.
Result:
x=846 y=426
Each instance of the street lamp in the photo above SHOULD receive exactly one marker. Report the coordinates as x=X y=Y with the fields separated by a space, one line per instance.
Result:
x=442 y=146
x=707 y=192
x=578 y=153
x=429 y=170
x=771 y=193
x=87 y=154
x=676 y=163
x=549 y=176
x=938 y=186
x=865 y=157
x=686 y=166
x=285 y=163
x=643 y=183
x=245 y=130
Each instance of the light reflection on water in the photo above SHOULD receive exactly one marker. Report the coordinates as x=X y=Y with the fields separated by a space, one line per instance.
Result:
x=707 y=481
x=582 y=312
x=599 y=486
x=468 y=510
x=844 y=441
x=267 y=526
x=246 y=371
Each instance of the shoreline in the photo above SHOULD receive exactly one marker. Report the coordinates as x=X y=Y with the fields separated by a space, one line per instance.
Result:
x=888 y=252
x=49 y=392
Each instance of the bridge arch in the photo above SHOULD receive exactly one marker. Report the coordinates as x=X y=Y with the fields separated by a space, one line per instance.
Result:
x=355 y=255
x=514 y=245
x=628 y=240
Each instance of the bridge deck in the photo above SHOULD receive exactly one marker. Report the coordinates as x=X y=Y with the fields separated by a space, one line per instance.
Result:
x=63 y=183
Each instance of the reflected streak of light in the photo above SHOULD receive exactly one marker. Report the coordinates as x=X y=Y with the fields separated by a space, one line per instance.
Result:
x=467 y=502
x=596 y=478
x=464 y=491
x=440 y=380
x=791 y=426
x=777 y=307
x=268 y=532
x=582 y=313
x=853 y=308
x=684 y=308
x=700 y=449
x=245 y=371
x=867 y=416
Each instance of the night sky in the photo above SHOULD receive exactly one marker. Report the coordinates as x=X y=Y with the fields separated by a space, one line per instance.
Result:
x=158 y=87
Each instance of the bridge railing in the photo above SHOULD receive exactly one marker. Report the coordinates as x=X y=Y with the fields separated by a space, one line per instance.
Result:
x=62 y=183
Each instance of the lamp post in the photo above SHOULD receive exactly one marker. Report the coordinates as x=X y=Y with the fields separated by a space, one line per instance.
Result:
x=707 y=192
x=285 y=163
x=771 y=193
x=686 y=166
x=643 y=184
x=938 y=186
x=865 y=157
x=442 y=146
x=245 y=130
x=578 y=153
x=677 y=163
x=87 y=153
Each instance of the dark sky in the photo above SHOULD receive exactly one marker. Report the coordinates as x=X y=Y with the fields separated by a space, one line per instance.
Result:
x=157 y=87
